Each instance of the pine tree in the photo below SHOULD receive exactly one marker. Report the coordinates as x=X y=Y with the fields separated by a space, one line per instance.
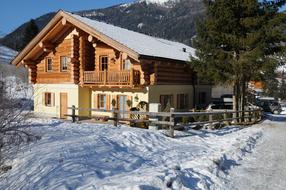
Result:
x=236 y=41
x=30 y=32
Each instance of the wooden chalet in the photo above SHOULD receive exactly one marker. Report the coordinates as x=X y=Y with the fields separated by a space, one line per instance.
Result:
x=90 y=64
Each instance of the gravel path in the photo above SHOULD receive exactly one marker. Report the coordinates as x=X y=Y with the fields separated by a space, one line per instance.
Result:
x=265 y=168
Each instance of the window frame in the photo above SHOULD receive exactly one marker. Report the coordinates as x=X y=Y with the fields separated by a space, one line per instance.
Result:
x=100 y=101
x=162 y=97
x=101 y=63
x=47 y=64
x=66 y=58
x=202 y=98
x=49 y=99
x=182 y=101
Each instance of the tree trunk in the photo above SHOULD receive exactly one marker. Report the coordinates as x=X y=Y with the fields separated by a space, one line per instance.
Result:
x=236 y=99
x=243 y=100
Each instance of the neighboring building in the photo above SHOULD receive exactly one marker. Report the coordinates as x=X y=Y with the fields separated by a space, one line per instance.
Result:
x=86 y=63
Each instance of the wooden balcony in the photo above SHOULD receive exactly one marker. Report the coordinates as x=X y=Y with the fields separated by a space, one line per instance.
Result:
x=112 y=78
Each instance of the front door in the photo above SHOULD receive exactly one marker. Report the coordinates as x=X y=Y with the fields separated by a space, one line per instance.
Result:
x=63 y=105
x=122 y=105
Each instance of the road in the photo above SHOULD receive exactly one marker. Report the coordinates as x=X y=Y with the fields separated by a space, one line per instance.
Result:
x=265 y=167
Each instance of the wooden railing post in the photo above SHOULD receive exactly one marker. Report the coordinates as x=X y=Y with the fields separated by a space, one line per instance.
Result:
x=115 y=116
x=172 y=126
x=73 y=113
x=104 y=77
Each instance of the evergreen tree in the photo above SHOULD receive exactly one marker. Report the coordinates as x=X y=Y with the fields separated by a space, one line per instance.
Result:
x=236 y=41
x=30 y=32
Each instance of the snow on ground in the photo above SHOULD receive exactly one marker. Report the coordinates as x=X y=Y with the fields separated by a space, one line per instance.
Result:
x=265 y=168
x=96 y=156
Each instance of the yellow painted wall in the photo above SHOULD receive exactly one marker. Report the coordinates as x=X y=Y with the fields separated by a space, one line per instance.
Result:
x=157 y=90
x=84 y=97
x=39 y=89
x=141 y=94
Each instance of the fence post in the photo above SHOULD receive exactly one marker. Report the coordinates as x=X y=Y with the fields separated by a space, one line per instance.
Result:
x=115 y=116
x=224 y=116
x=73 y=113
x=210 y=117
x=172 y=119
x=255 y=116
x=154 y=107
x=259 y=114
x=249 y=115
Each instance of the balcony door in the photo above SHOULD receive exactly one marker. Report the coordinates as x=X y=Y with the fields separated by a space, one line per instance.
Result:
x=103 y=63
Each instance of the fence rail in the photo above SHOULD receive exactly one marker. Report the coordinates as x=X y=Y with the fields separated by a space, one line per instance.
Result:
x=240 y=117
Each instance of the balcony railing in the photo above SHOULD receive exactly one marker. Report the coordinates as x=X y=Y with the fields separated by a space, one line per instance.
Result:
x=124 y=78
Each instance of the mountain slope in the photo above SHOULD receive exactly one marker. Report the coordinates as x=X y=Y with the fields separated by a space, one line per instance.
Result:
x=173 y=19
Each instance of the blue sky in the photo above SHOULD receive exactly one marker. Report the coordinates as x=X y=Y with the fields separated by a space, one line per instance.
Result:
x=15 y=12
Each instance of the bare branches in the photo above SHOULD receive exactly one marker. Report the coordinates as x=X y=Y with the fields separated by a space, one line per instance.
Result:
x=14 y=111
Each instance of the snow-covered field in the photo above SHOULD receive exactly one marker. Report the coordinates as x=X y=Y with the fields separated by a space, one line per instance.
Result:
x=94 y=156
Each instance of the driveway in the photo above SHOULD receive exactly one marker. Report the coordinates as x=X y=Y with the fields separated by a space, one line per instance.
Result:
x=265 y=167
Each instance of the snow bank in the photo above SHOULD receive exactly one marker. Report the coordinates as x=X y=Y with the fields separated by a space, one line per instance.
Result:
x=94 y=156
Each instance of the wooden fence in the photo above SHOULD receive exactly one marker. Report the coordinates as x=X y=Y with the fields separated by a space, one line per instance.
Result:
x=171 y=119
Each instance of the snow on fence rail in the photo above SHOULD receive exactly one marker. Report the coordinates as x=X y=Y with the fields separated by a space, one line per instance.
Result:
x=250 y=116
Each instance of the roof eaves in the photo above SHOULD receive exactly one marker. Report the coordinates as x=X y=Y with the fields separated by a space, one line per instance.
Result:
x=39 y=36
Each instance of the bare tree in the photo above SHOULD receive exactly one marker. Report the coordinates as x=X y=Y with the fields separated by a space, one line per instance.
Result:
x=13 y=121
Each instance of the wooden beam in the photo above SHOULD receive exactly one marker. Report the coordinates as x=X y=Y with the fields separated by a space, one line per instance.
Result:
x=90 y=38
x=46 y=45
x=64 y=21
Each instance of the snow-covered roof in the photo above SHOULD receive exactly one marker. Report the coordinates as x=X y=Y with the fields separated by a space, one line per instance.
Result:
x=141 y=43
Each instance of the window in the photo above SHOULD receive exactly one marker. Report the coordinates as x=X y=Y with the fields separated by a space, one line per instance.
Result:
x=127 y=64
x=64 y=63
x=48 y=99
x=103 y=63
x=49 y=63
x=182 y=101
x=202 y=98
x=166 y=102
x=102 y=101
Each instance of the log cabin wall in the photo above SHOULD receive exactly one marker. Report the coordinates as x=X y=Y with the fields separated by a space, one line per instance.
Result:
x=64 y=48
x=114 y=63
x=158 y=72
